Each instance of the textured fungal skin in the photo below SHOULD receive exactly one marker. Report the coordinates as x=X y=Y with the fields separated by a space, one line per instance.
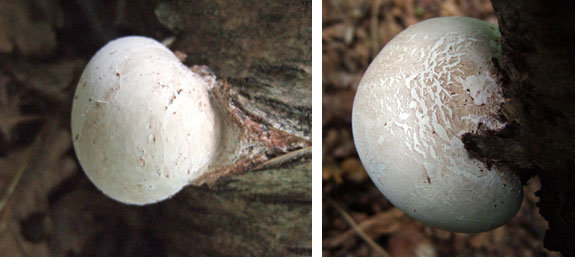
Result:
x=427 y=87
x=142 y=123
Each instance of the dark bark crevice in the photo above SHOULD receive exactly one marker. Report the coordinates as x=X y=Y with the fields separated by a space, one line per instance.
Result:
x=538 y=50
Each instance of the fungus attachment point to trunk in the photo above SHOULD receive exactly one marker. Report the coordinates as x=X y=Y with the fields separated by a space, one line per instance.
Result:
x=143 y=125
x=427 y=87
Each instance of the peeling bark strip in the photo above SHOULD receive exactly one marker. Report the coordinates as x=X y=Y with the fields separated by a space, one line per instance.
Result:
x=538 y=52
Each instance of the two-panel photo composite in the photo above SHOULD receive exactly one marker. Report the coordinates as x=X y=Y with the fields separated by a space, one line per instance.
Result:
x=186 y=128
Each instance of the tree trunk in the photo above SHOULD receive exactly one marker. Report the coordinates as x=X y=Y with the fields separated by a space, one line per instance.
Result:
x=538 y=74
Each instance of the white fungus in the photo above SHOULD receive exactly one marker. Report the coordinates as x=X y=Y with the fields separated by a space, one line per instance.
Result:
x=142 y=123
x=427 y=87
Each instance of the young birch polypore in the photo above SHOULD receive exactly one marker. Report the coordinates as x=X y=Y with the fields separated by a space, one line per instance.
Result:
x=142 y=123
x=427 y=87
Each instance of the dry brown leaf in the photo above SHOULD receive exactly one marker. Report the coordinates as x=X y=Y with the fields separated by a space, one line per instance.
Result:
x=49 y=79
x=387 y=30
x=425 y=249
x=480 y=240
x=442 y=234
x=408 y=240
x=345 y=147
x=45 y=164
x=9 y=112
x=450 y=8
x=338 y=32
x=13 y=244
x=383 y=223
x=353 y=170
x=331 y=172
x=47 y=169
x=19 y=30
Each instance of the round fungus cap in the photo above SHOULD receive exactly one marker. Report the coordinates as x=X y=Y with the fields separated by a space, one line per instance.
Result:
x=427 y=87
x=142 y=123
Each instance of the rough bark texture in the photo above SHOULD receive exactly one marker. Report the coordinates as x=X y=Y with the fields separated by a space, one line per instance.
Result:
x=258 y=213
x=538 y=74
x=264 y=48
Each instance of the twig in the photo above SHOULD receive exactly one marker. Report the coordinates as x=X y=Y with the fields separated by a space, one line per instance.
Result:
x=279 y=160
x=381 y=220
x=374 y=246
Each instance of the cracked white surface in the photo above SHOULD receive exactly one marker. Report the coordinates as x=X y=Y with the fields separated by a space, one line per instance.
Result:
x=427 y=87
x=142 y=123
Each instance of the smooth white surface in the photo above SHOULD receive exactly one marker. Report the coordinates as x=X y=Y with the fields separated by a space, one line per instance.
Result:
x=425 y=89
x=142 y=123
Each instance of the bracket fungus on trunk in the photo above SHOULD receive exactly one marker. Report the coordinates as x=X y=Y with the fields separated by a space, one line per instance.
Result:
x=428 y=86
x=142 y=122
x=144 y=125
